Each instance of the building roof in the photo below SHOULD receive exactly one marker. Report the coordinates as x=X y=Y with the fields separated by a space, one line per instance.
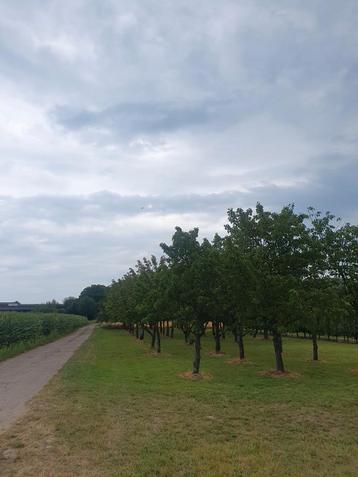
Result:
x=15 y=306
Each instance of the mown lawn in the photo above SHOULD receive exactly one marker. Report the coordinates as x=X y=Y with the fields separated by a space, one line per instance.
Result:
x=117 y=410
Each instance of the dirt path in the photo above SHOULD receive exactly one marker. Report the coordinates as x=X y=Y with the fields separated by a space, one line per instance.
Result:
x=23 y=376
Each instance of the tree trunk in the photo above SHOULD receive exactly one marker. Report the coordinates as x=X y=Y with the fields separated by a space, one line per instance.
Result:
x=315 y=347
x=168 y=329
x=172 y=331
x=266 y=337
x=277 y=344
x=154 y=332
x=197 y=354
x=240 y=342
x=136 y=331
x=141 y=335
x=158 y=339
x=217 y=338
x=281 y=344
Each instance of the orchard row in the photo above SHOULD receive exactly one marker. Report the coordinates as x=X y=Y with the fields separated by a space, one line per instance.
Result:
x=272 y=273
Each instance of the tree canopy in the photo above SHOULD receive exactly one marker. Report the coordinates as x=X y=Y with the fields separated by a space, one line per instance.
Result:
x=272 y=273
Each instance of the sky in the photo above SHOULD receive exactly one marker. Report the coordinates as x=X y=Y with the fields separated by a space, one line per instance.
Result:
x=121 y=120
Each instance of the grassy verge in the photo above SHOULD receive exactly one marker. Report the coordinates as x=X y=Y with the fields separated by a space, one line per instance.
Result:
x=117 y=410
x=21 y=332
x=22 y=346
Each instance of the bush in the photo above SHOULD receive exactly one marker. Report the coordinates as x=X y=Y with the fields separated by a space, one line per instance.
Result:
x=24 y=327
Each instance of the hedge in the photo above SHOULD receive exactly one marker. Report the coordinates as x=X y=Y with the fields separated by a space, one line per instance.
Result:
x=16 y=327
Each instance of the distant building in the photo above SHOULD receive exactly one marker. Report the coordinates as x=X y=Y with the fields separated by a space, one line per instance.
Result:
x=15 y=306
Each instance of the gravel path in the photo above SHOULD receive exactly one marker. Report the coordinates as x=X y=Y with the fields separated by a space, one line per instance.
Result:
x=23 y=376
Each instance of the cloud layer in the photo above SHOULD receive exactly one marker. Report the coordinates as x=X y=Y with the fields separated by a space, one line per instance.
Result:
x=120 y=120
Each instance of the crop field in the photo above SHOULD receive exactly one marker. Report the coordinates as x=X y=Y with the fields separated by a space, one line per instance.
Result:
x=117 y=409
x=22 y=331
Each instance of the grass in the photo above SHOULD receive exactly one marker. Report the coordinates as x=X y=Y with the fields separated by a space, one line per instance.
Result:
x=22 y=346
x=117 y=410
x=21 y=331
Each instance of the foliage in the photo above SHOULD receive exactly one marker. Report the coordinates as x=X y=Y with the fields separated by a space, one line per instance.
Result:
x=96 y=292
x=272 y=273
x=49 y=307
x=16 y=327
x=89 y=303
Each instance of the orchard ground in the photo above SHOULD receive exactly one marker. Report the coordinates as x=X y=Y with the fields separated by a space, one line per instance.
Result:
x=117 y=410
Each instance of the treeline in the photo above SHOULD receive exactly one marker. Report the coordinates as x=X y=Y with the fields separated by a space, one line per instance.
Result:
x=89 y=303
x=273 y=273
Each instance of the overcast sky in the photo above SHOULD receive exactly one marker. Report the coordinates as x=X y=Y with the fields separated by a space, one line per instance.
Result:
x=122 y=119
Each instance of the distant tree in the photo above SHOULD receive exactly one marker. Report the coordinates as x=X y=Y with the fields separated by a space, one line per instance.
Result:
x=190 y=284
x=237 y=291
x=52 y=306
x=148 y=305
x=213 y=300
x=275 y=245
x=70 y=305
x=96 y=292
x=343 y=260
x=87 y=307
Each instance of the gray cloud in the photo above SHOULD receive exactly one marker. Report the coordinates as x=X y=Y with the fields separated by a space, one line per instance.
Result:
x=120 y=120
x=141 y=118
x=60 y=244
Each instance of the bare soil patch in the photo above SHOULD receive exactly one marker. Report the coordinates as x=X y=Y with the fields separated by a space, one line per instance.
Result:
x=238 y=361
x=195 y=377
x=158 y=355
x=217 y=355
x=272 y=373
x=114 y=326
x=316 y=361
x=354 y=370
